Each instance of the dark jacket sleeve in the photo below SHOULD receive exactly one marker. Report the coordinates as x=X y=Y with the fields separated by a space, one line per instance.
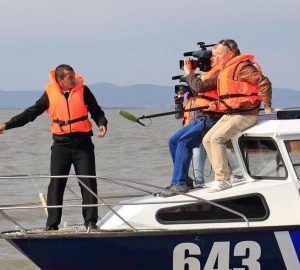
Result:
x=30 y=114
x=197 y=85
x=94 y=109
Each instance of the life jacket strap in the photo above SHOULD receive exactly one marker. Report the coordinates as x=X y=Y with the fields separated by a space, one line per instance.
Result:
x=207 y=97
x=236 y=95
x=231 y=110
x=69 y=122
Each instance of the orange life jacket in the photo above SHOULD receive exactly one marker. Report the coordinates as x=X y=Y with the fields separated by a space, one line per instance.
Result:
x=234 y=94
x=206 y=98
x=67 y=115
x=187 y=115
x=203 y=100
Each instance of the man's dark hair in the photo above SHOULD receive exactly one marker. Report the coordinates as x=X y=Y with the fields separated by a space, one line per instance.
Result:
x=59 y=71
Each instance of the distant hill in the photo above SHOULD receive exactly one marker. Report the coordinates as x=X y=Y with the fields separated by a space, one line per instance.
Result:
x=140 y=95
x=134 y=96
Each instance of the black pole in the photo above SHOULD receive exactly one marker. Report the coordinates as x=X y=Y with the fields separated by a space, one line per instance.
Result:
x=172 y=112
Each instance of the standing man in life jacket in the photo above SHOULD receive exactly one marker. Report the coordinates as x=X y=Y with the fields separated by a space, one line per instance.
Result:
x=68 y=101
x=182 y=142
x=241 y=88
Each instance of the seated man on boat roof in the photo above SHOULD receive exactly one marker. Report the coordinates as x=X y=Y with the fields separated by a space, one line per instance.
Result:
x=189 y=137
x=241 y=88
x=199 y=152
x=68 y=102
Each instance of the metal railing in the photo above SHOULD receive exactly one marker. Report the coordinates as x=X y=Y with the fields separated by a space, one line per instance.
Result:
x=135 y=185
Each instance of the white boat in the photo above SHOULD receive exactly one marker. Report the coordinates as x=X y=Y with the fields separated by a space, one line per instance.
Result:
x=253 y=225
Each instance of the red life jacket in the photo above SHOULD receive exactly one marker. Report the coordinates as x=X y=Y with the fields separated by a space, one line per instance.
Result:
x=67 y=115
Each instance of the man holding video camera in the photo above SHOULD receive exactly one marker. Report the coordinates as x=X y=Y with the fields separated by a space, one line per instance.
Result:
x=182 y=142
x=199 y=153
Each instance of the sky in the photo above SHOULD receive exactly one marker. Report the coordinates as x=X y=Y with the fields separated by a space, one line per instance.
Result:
x=128 y=42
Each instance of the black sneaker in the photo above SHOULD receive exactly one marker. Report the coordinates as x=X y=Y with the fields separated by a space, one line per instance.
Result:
x=174 y=190
x=51 y=228
x=190 y=182
x=92 y=226
x=199 y=185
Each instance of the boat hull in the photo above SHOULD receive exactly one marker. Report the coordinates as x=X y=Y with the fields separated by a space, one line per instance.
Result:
x=194 y=250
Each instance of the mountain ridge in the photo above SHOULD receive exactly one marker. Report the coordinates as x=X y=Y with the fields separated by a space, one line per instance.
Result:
x=145 y=95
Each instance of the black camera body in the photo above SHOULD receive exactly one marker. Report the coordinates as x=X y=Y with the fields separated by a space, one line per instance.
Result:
x=182 y=78
x=181 y=89
x=203 y=58
x=203 y=64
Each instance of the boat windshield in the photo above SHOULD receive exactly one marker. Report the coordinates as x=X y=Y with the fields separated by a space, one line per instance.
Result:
x=262 y=158
x=293 y=148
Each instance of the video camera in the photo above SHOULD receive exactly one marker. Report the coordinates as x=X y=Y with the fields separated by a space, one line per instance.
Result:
x=181 y=89
x=202 y=62
x=203 y=57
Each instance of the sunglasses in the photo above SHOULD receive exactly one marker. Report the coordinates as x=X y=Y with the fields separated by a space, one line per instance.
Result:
x=224 y=43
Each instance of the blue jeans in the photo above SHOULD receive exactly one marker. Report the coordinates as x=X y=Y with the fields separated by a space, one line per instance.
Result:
x=199 y=158
x=181 y=145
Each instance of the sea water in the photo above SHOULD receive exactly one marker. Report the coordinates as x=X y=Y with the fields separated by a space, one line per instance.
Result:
x=129 y=151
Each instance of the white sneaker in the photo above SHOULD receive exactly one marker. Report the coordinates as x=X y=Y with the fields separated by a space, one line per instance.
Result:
x=219 y=185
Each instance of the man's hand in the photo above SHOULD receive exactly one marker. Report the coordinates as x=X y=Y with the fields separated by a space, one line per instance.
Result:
x=2 y=128
x=212 y=106
x=188 y=68
x=102 y=131
x=268 y=110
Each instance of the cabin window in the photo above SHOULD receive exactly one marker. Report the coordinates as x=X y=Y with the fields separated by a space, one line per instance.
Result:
x=262 y=158
x=293 y=148
x=253 y=206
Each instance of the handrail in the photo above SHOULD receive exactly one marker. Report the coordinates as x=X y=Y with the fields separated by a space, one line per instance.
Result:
x=220 y=206
x=109 y=205
x=8 y=217
x=6 y=208
x=71 y=176
x=195 y=197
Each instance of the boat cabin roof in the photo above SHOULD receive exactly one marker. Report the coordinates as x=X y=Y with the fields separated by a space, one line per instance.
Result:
x=282 y=122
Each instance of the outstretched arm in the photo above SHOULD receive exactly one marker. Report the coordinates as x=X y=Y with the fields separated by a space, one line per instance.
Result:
x=2 y=128
x=29 y=115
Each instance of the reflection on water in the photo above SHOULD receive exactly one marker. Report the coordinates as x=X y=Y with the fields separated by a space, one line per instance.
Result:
x=129 y=151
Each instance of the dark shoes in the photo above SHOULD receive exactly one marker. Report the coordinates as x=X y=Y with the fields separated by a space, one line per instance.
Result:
x=51 y=228
x=199 y=185
x=91 y=225
x=174 y=190
x=191 y=183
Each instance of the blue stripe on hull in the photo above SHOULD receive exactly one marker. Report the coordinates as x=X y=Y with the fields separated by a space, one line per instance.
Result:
x=295 y=236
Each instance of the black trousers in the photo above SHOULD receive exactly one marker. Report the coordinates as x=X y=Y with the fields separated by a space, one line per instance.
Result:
x=81 y=154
